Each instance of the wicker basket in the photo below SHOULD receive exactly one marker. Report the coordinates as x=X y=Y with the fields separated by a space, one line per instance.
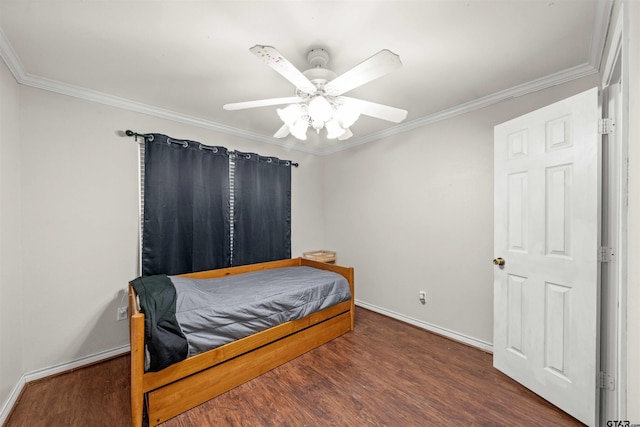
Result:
x=322 y=256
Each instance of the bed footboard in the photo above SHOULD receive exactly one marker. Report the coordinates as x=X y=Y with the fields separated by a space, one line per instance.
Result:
x=136 y=339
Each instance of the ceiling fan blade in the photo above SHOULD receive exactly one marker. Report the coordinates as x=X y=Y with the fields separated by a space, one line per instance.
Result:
x=379 y=111
x=275 y=60
x=282 y=132
x=262 y=103
x=377 y=66
x=346 y=135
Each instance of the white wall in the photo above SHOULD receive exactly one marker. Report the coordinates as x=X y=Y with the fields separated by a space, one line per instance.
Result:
x=633 y=278
x=10 y=240
x=80 y=215
x=415 y=212
x=410 y=212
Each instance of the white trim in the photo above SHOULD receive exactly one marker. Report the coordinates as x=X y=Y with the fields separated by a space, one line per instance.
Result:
x=77 y=363
x=599 y=37
x=13 y=398
x=107 y=354
x=97 y=357
x=114 y=101
x=546 y=82
x=53 y=370
x=618 y=51
x=10 y=57
x=474 y=342
x=614 y=50
x=150 y=110
x=601 y=27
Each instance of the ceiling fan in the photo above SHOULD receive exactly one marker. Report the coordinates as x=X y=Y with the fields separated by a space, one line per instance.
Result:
x=319 y=102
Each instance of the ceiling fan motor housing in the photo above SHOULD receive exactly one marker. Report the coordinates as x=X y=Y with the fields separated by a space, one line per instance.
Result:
x=318 y=58
x=318 y=75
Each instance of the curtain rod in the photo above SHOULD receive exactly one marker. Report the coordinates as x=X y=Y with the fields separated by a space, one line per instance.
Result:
x=135 y=134
x=145 y=135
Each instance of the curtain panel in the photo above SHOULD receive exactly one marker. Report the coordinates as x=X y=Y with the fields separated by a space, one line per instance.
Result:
x=206 y=208
x=186 y=222
x=262 y=209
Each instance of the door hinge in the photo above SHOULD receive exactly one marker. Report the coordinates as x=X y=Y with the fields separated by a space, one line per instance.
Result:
x=606 y=126
x=605 y=254
x=606 y=381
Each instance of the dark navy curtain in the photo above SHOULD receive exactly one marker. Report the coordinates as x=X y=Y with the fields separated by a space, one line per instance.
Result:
x=262 y=209
x=186 y=222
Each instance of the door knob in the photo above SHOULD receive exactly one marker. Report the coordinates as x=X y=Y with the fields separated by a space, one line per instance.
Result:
x=498 y=261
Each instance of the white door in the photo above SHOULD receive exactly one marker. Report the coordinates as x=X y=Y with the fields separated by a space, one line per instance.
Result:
x=546 y=211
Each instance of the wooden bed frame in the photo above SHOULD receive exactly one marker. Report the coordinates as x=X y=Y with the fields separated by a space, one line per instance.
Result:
x=195 y=380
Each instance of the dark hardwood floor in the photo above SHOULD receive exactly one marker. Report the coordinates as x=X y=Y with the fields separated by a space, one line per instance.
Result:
x=385 y=373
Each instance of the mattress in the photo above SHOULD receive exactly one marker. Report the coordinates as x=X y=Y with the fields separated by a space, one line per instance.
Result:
x=185 y=317
x=213 y=312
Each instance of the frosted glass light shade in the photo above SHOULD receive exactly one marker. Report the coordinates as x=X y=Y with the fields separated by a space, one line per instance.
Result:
x=333 y=129
x=317 y=113
x=346 y=135
x=290 y=114
x=299 y=129
x=319 y=109
x=347 y=114
x=317 y=125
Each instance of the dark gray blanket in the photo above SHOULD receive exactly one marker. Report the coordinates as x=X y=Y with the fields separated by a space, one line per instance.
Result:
x=164 y=339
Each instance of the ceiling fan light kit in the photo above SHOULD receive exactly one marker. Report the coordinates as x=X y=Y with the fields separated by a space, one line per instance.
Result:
x=318 y=102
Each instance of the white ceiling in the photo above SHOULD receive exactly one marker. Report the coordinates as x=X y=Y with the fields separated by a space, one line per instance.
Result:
x=183 y=60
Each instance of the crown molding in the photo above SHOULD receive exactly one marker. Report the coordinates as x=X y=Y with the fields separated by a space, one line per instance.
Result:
x=22 y=77
x=10 y=57
x=514 y=92
x=601 y=25
x=150 y=110
x=604 y=9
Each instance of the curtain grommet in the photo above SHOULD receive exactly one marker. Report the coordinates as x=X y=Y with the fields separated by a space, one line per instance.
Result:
x=203 y=147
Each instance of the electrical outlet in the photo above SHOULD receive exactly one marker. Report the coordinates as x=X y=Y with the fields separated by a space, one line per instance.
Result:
x=122 y=313
x=422 y=296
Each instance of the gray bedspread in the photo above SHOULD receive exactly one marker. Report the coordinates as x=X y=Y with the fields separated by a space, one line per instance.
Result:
x=213 y=312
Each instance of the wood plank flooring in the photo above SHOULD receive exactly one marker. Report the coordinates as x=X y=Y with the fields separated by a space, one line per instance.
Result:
x=385 y=373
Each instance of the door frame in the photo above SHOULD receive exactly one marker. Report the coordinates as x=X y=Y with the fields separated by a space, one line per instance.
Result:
x=613 y=331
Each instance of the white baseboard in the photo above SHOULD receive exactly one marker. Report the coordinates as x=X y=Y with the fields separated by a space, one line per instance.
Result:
x=474 y=342
x=53 y=370
x=97 y=357
x=13 y=397
x=67 y=366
